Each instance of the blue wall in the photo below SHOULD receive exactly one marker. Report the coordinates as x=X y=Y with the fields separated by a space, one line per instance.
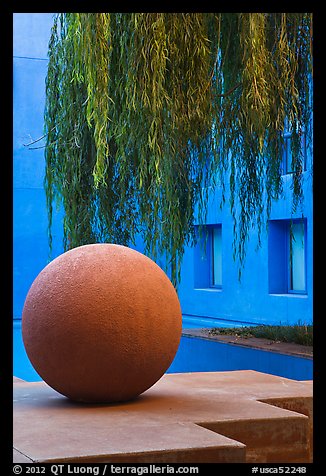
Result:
x=30 y=247
x=252 y=300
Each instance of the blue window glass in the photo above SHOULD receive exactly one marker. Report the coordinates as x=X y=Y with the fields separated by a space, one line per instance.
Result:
x=208 y=257
x=297 y=257
x=287 y=256
x=287 y=153
x=217 y=256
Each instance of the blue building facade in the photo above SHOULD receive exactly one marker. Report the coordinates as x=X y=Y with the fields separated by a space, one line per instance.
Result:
x=31 y=34
x=276 y=285
x=277 y=280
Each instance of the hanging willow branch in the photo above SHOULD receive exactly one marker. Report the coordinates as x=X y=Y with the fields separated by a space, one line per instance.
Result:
x=144 y=111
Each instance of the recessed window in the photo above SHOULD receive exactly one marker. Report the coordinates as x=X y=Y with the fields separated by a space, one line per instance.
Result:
x=287 y=256
x=208 y=257
x=287 y=153
x=297 y=275
x=216 y=264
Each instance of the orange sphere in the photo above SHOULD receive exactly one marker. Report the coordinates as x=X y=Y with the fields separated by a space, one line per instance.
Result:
x=101 y=323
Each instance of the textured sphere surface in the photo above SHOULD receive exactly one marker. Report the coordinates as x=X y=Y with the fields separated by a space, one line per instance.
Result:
x=101 y=323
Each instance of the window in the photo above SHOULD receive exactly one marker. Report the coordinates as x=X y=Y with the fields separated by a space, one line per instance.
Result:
x=287 y=153
x=216 y=265
x=297 y=275
x=287 y=256
x=208 y=257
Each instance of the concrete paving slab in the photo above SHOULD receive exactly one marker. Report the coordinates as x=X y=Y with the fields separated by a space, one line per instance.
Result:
x=20 y=458
x=18 y=380
x=239 y=416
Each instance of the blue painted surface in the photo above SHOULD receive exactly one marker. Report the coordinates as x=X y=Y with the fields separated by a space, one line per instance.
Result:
x=261 y=296
x=198 y=355
x=22 y=367
x=202 y=355
x=193 y=322
x=30 y=244
x=257 y=299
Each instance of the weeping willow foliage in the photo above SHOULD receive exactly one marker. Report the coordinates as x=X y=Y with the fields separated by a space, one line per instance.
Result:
x=146 y=112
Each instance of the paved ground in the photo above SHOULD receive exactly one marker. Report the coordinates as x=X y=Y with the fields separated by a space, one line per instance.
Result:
x=239 y=416
x=254 y=342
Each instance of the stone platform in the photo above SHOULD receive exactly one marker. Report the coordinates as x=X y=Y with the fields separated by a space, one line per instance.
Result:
x=216 y=417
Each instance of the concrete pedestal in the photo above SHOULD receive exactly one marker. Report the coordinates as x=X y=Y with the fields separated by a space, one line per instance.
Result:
x=219 y=417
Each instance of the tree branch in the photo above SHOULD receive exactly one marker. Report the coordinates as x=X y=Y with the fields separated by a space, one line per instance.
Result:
x=38 y=140
x=230 y=91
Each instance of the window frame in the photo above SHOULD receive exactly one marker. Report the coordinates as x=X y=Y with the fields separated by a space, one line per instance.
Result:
x=211 y=232
x=291 y=223
x=279 y=258
x=286 y=149
x=204 y=258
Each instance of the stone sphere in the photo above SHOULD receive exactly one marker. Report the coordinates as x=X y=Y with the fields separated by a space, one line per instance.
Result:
x=101 y=323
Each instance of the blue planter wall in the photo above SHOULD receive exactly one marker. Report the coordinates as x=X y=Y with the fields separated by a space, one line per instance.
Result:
x=260 y=297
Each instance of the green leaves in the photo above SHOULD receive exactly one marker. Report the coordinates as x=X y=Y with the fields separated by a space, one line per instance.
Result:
x=144 y=111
